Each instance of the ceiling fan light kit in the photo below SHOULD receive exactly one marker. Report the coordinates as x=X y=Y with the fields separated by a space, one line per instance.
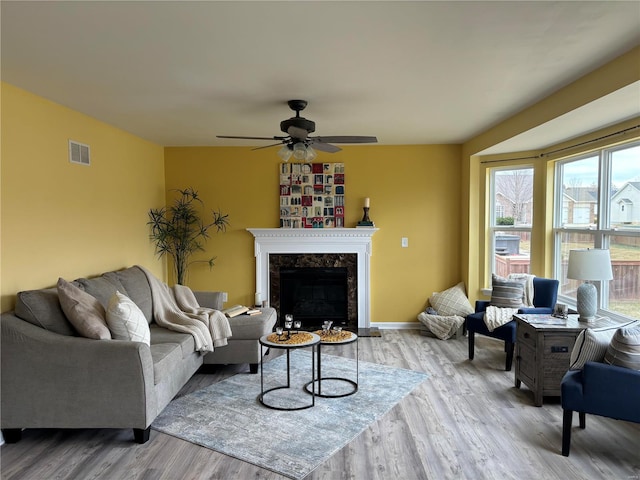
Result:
x=298 y=143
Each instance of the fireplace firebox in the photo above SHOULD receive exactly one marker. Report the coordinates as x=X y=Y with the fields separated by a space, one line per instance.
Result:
x=315 y=287
x=315 y=294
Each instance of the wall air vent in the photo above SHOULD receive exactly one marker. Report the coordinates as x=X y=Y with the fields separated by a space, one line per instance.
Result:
x=79 y=153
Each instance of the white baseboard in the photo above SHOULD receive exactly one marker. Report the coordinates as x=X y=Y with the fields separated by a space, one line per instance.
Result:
x=397 y=325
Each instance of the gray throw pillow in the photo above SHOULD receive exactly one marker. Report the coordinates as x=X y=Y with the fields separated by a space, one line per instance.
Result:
x=83 y=311
x=506 y=293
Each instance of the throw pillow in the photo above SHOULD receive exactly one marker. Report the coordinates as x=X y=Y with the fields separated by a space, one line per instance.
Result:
x=624 y=349
x=452 y=301
x=591 y=346
x=126 y=321
x=506 y=293
x=83 y=311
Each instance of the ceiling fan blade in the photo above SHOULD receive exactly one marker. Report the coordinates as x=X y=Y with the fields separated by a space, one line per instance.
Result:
x=269 y=146
x=251 y=138
x=346 y=139
x=325 y=147
x=297 y=132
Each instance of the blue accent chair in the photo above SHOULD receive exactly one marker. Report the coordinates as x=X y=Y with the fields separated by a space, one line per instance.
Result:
x=545 y=294
x=598 y=389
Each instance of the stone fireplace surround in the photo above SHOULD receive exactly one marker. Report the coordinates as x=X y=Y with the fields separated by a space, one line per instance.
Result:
x=317 y=241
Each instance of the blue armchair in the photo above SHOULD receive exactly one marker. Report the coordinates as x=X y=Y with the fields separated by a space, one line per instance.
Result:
x=599 y=389
x=545 y=294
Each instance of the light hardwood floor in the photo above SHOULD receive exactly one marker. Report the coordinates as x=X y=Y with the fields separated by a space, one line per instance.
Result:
x=466 y=421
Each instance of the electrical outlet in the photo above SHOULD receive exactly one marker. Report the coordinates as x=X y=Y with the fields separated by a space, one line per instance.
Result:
x=225 y=297
x=405 y=242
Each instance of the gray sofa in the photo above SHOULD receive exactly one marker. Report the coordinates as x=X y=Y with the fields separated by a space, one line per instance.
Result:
x=54 y=378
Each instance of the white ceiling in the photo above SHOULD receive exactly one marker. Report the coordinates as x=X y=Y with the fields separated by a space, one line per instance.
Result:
x=180 y=73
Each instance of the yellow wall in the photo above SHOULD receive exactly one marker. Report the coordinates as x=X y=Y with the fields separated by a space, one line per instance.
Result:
x=414 y=192
x=68 y=220
x=60 y=219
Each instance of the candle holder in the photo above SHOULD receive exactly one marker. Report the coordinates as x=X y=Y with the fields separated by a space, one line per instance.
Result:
x=326 y=327
x=366 y=221
x=290 y=327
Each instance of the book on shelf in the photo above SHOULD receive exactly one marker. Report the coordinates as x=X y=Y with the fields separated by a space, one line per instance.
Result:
x=253 y=311
x=362 y=224
x=235 y=311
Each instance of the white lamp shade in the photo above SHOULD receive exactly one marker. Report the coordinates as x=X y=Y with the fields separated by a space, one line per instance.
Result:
x=590 y=264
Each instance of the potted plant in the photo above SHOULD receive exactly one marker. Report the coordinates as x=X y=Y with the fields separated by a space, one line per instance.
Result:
x=179 y=230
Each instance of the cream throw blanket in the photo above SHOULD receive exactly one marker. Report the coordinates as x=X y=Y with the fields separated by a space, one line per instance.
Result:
x=208 y=327
x=495 y=317
x=443 y=327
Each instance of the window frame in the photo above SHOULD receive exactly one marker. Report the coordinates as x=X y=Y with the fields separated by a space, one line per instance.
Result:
x=493 y=228
x=602 y=232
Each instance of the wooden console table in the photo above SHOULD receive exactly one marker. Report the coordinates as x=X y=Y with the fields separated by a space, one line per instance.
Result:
x=543 y=350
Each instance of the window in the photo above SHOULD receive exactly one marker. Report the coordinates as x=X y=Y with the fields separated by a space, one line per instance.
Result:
x=597 y=205
x=511 y=218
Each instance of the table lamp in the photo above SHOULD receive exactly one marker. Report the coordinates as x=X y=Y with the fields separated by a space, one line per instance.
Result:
x=589 y=265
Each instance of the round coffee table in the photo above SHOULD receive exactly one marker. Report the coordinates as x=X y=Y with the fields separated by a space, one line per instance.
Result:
x=328 y=341
x=265 y=342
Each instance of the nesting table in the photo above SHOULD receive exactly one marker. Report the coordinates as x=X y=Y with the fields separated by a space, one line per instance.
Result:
x=288 y=347
x=325 y=341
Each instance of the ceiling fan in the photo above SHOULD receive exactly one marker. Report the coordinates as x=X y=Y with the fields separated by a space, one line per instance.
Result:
x=298 y=143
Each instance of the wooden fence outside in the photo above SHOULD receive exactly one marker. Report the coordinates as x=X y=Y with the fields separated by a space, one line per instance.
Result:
x=624 y=286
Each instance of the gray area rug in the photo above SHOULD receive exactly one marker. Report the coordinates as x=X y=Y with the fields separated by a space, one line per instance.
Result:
x=227 y=417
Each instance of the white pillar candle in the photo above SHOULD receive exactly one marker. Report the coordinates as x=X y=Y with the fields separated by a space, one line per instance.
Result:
x=366 y=202
x=258 y=299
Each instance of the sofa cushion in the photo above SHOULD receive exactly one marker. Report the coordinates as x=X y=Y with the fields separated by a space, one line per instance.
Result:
x=126 y=321
x=252 y=327
x=137 y=287
x=42 y=308
x=163 y=335
x=102 y=288
x=452 y=301
x=624 y=348
x=83 y=311
x=165 y=357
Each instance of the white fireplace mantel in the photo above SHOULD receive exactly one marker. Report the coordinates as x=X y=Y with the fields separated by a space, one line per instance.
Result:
x=317 y=240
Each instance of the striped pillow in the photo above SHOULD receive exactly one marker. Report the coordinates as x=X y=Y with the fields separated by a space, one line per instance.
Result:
x=624 y=349
x=591 y=345
x=506 y=293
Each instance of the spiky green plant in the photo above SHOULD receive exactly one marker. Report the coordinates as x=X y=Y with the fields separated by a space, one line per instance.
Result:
x=179 y=230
